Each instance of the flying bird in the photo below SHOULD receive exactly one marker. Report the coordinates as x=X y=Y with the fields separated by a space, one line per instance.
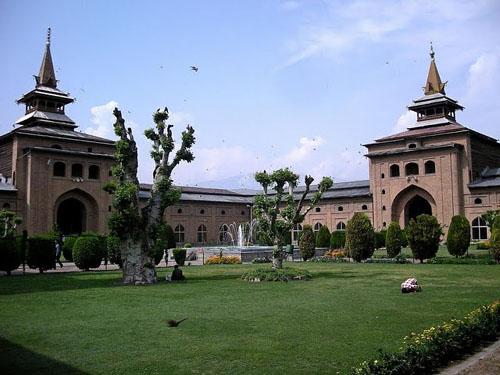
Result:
x=194 y=68
x=175 y=323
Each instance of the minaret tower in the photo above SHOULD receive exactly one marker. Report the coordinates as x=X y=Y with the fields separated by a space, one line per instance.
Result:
x=434 y=108
x=45 y=104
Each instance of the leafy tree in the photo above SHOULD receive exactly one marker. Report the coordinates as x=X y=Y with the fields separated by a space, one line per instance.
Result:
x=490 y=216
x=277 y=213
x=113 y=250
x=380 y=239
x=360 y=237
x=323 y=237
x=337 y=239
x=139 y=229
x=458 y=238
x=307 y=243
x=9 y=221
x=424 y=234
x=393 y=240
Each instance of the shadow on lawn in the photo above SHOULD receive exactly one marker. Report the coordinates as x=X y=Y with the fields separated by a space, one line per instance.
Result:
x=15 y=359
x=57 y=282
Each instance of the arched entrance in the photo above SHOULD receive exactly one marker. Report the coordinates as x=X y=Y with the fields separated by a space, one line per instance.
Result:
x=71 y=216
x=75 y=212
x=411 y=202
x=417 y=206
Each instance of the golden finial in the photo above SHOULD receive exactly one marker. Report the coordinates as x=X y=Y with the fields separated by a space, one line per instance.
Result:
x=48 y=37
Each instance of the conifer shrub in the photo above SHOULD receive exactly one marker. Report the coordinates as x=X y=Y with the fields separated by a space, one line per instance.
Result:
x=41 y=253
x=10 y=258
x=458 y=238
x=360 y=237
x=404 y=238
x=67 y=247
x=495 y=240
x=88 y=252
x=307 y=243
x=424 y=234
x=169 y=237
x=179 y=256
x=379 y=239
x=113 y=250
x=393 y=240
x=337 y=239
x=323 y=237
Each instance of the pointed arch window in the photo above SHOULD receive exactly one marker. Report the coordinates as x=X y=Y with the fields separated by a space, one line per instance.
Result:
x=411 y=169
x=317 y=227
x=94 y=172
x=223 y=233
x=479 y=229
x=179 y=233
x=340 y=225
x=296 y=230
x=202 y=234
x=77 y=170
x=59 y=169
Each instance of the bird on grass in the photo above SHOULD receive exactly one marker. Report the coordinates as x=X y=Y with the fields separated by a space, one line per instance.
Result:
x=175 y=323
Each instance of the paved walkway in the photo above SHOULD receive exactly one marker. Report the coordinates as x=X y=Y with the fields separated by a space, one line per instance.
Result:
x=486 y=362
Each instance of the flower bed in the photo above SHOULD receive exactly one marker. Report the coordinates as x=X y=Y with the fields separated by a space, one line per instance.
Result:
x=425 y=352
x=216 y=259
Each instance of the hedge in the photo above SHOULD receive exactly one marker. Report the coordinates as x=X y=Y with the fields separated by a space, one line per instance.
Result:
x=67 y=248
x=323 y=237
x=88 y=252
x=10 y=258
x=360 y=237
x=423 y=353
x=41 y=253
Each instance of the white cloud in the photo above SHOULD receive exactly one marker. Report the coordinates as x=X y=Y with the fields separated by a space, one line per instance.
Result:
x=407 y=119
x=484 y=76
x=301 y=153
x=290 y=5
x=103 y=119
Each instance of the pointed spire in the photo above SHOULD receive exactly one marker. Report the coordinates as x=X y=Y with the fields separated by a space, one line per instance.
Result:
x=433 y=84
x=47 y=76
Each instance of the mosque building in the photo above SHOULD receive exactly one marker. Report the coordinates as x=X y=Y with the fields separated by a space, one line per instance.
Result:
x=51 y=174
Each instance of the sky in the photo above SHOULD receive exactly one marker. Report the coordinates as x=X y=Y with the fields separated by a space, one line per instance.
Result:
x=294 y=83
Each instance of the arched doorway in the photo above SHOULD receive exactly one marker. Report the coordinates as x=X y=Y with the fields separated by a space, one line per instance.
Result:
x=71 y=216
x=415 y=207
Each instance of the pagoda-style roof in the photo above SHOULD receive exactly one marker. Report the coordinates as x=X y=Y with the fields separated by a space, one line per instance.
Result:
x=432 y=100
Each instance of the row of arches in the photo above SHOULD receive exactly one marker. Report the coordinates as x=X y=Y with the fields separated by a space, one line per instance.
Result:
x=412 y=169
x=59 y=170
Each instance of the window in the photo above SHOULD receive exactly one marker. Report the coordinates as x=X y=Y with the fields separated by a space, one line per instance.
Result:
x=179 y=233
x=6 y=206
x=202 y=233
x=89 y=149
x=318 y=209
x=394 y=170
x=110 y=173
x=364 y=207
x=384 y=224
x=59 y=169
x=341 y=225
x=179 y=210
x=478 y=201
x=57 y=147
x=479 y=229
x=383 y=208
x=94 y=172
x=297 y=228
x=202 y=212
x=109 y=208
x=411 y=169
x=383 y=191
x=340 y=208
x=317 y=227
x=223 y=212
x=77 y=170
x=223 y=233
x=430 y=167
x=243 y=213
x=382 y=175
x=412 y=145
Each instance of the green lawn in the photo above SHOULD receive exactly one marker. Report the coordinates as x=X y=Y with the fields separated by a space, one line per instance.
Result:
x=89 y=323
x=442 y=252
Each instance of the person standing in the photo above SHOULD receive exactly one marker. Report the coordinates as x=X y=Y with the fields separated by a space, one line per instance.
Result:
x=58 y=253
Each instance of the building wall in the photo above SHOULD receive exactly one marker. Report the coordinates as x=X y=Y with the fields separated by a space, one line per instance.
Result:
x=6 y=158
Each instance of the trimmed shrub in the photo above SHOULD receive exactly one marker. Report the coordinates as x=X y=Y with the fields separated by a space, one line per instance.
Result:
x=323 y=237
x=279 y=274
x=393 y=240
x=360 y=237
x=337 y=239
x=495 y=240
x=113 y=250
x=88 y=252
x=404 y=238
x=307 y=243
x=424 y=234
x=179 y=256
x=41 y=253
x=379 y=239
x=187 y=245
x=10 y=258
x=458 y=238
x=215 y=259
x=67 y=247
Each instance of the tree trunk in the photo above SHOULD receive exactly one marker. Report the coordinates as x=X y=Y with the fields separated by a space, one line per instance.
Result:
x=278 y=256
x=138 y=268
